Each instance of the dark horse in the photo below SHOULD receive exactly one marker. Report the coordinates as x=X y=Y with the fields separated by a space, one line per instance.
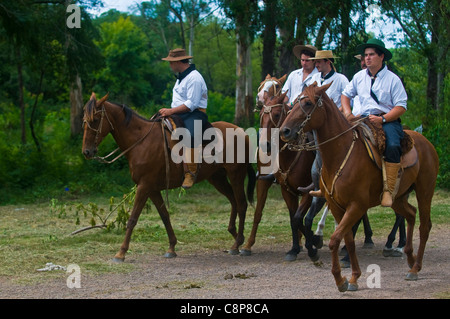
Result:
x=352 y=183
x=293 y=170
x=145 y=145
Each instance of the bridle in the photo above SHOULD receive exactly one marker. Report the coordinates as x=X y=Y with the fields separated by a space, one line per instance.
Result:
x=267 y=109
x=104 y=114
x=312 y=146
x=100 y=126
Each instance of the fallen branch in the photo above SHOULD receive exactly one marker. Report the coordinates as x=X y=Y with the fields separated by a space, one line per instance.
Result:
x=87 y=228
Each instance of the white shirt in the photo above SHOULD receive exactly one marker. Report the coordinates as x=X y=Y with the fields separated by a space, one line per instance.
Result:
x=334 y=92
x=295 y=83
x=192 y=92
x=387 y=87
x=356 y=110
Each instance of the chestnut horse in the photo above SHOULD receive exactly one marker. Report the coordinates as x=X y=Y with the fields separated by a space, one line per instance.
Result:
x=145 y=145
x=293 y=170
x=352 y=183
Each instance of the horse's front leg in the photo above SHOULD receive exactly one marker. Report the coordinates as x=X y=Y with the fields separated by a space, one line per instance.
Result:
x=262 y=188
x=344 y=229
x=139 y=202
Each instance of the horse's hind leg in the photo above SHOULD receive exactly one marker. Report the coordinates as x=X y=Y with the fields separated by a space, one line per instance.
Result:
x=165 y=217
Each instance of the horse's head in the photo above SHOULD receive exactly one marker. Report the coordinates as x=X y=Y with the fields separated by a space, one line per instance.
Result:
x=273 y=85
x=307 y=113
x=271 y=116
x=96 y=125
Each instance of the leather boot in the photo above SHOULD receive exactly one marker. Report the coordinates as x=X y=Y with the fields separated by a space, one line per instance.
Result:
x=389 y=183
x=317 y=193
x=190 y=167
x=190 y=174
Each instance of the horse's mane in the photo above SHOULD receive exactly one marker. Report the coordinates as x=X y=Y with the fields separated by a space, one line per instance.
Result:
x=129 y=113
x=89 y=111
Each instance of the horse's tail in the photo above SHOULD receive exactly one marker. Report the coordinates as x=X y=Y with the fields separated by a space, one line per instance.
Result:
x=251 y=183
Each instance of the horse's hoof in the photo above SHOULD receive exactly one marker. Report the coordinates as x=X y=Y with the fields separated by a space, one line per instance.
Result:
x=290 y=257
x=412 y=276
x=245 y=252
x=387 y=252
x=315 y=257
x=344 y=286
x=118 y=260
x=368 y=245
x=233 y=252
x=352 y=287
x=318 y=241
x=170 y=255
x=397 y=252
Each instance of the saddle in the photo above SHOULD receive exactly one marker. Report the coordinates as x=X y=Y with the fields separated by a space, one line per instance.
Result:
x=374 y=140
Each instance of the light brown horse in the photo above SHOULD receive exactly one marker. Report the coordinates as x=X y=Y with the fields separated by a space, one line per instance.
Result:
x=352 y=183
x=293 y=170
x=143 y=144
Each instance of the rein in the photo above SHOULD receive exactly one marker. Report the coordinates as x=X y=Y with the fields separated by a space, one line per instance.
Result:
x=103 y=159
x=312 y=146
x=309 y=146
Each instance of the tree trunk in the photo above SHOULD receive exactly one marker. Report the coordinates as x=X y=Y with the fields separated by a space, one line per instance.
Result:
x=269 y=40
x=244 y=96
x=21 y=100
x=76 y=107
x=239 y=115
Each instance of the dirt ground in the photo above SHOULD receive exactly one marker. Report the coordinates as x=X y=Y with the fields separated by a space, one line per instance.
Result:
x=264 y=275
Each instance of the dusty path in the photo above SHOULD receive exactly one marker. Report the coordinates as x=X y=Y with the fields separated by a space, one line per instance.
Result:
x=264 y=275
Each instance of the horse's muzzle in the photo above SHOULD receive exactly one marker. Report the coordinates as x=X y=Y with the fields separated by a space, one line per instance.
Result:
x=88 y=154
x=287 y=134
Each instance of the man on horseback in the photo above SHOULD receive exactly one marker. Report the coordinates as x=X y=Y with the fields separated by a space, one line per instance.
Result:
x=324 y=62
x=299 y=79
x=189 y=102
x=383 y=99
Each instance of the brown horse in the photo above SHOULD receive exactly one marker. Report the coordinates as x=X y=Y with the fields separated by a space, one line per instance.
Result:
x=145 y=145
x=292 y=171
x=352 y=183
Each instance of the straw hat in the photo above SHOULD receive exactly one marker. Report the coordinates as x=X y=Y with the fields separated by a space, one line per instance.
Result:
x=177 y=55
x=325 y=55
x=375 y=43
x=299 y=48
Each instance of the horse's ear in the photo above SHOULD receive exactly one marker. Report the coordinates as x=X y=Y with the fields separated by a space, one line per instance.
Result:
x=268 y=77
x=282 y=79
x=102 y=100
x=314 y=84
x=283 y=95
x=93 y=97
x=324 y=87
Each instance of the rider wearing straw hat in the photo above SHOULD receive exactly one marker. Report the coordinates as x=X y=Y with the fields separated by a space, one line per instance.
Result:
x=383 y=99
x=324 y=61
x=189 y=102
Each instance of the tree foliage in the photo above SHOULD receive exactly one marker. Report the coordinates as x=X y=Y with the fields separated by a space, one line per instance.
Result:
x=120 y=53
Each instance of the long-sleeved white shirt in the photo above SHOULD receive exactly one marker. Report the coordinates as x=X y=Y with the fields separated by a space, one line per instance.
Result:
x=191 y=91
x=295 y=83
x=387 y=87
x=334 y=92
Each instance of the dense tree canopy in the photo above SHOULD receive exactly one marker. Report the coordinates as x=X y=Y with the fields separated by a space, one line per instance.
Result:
x=48 y=69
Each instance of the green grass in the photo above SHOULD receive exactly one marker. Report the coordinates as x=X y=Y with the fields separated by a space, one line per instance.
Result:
x=32 y=235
